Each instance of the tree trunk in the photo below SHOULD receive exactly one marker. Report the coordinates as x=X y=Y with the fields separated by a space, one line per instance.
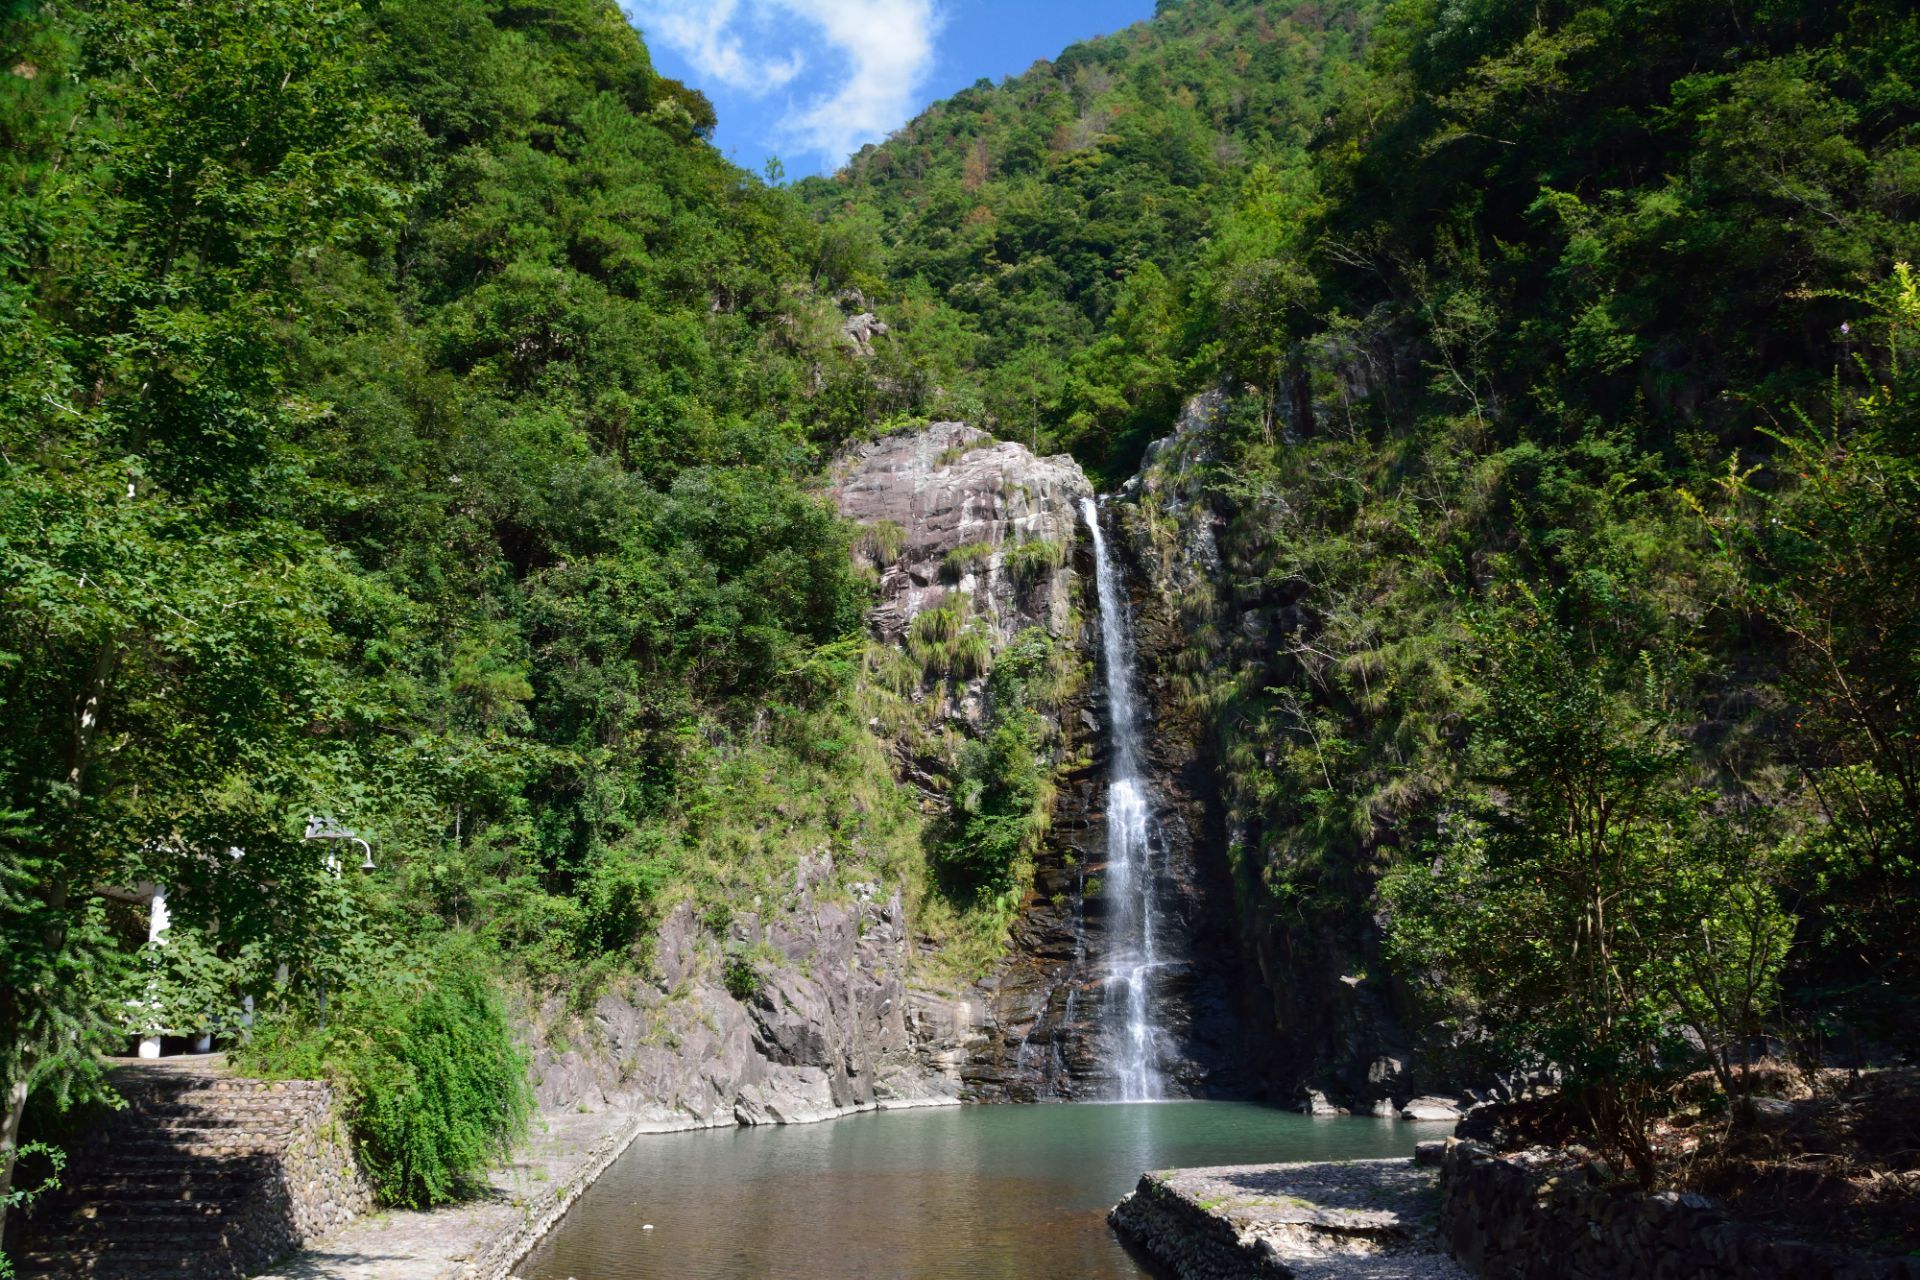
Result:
x=10 y=1142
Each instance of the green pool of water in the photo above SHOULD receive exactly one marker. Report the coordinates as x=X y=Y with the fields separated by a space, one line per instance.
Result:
x=1003 y=1191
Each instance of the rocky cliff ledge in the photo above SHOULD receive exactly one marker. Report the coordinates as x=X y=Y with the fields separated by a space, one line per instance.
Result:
x=797 y=1012
x=1334 y=1027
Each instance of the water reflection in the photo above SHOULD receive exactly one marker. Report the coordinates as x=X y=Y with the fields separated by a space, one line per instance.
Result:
x=985 y=1192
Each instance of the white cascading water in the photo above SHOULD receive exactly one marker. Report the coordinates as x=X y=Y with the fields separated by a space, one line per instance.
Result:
x=1129 y=880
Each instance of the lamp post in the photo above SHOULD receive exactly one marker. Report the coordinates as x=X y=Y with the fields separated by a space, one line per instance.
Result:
x=319 y=828
x=327 y=829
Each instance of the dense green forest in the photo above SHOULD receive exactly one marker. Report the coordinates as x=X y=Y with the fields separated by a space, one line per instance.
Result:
x=407 y=416
x=1569 y=448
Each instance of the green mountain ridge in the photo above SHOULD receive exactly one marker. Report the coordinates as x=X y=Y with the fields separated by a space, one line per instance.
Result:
x=406 y=415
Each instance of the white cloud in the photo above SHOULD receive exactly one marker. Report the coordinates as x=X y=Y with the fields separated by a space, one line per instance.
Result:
x=869 y=59
x=889 y=47
x=699 y=31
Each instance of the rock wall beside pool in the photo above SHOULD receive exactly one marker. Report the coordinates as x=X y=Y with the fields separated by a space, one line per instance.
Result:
x=820 y=1024
x=1507 y=1220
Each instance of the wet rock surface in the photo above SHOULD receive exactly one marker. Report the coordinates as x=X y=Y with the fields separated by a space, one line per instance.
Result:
x=1326 y=1025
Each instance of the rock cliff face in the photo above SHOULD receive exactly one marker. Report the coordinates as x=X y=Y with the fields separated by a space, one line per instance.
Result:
x=948 y=511
x=1332 y=1029
x=952 y=491
x=793 y=1013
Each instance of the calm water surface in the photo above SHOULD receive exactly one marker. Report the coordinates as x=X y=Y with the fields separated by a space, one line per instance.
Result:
x=988 y=1192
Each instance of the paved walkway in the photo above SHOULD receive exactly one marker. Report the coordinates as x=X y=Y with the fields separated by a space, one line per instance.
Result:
x=483 y=1238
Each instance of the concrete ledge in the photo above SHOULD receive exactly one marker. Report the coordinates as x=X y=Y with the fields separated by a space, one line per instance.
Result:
x=1352 y=1220
x=485 y=1238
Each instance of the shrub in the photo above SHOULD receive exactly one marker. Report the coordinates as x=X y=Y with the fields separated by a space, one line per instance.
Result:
x=1031 y=561
x=436 y=1088
x=439 y=1090
x=935 y=627
x=971 y=654
x=964 y=559
x=742 y=977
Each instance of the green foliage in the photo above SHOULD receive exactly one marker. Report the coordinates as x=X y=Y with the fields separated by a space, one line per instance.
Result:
x=405 y=414
x=436 y=1086
x=1589 y=910
x=19 y=1197
x=1002 y=790
x=1031 y=562
x=1821 y=545
x=880 y=543
x=170 y=172
x=743 y=978
x=946 y=644
x=964 y=559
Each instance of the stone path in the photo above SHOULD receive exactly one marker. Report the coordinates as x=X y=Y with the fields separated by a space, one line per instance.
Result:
x=1347 y=1220
x=482 y=1239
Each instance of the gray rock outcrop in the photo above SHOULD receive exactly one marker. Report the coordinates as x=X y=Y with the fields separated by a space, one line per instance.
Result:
x=949 y=489
x=799 y=1012
x=862 y=329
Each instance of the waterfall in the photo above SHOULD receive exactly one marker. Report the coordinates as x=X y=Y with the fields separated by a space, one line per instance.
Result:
x=1129 y=888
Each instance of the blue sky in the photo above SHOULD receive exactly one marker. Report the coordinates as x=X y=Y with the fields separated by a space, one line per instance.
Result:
x=811 y=81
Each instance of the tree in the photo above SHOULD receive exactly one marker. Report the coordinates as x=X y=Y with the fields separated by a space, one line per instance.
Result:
x=1823 y=545
x=1585 y=912
x=157 y=605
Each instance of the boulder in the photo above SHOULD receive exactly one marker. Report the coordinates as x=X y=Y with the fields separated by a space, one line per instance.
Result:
x=1431 y=1107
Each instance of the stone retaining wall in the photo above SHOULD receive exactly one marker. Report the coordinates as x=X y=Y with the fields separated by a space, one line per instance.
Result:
x=1507 y=1221
x=315 y=1188
x=1187 y=1239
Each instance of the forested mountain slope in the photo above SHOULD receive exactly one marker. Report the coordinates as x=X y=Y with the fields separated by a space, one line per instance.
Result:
x=1556 y=658
x=406 y=415
x=1040 y=236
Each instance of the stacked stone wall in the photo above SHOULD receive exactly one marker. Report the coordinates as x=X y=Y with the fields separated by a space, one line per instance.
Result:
x=203 y=1176
x=315 y=1188
x=1507 y=1221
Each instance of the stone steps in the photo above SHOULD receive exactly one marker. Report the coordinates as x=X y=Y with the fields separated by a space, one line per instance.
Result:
x=170 y=1186
x=131 y=1264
